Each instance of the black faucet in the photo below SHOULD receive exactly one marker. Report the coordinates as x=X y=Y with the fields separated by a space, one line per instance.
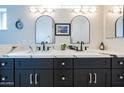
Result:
x=31 y=49
x=43 y=43
x=82 y=43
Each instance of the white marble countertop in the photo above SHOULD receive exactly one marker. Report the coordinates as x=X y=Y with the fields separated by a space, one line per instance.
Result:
x=57 y=54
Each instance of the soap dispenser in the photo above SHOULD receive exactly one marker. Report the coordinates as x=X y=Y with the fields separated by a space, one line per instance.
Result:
x=102 y=46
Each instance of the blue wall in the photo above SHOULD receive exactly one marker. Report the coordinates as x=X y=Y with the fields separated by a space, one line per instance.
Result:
x=13 y=35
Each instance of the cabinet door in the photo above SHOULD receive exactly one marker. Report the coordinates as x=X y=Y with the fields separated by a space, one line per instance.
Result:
x=43 y=78
x=6 y=78
x=118 y=77
x=101 y=77
x=91 y=77
x=82 y=77
x=63 y=78
x=24 y=78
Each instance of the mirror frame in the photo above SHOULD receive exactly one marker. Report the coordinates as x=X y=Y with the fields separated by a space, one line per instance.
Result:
x=71 y=42
x=116 y=27
x=53 y=28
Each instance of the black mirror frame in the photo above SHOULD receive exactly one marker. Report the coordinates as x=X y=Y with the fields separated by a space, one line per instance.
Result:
x=53 y=27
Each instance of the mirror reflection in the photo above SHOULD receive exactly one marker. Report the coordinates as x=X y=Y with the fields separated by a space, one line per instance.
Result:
x=113 y=21
x=119 y=27
x=44 y=29
x=80 y=29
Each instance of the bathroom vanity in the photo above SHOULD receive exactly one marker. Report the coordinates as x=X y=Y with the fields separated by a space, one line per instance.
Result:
x=53 y=63
x=86 y=70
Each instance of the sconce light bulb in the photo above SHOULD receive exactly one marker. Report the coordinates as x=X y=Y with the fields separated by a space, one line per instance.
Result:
x=84 y=10
x=85 y=7
x=50 y=10
x=33 y=9
x=117 y=9
x=92 y=9
x=41 y=10
x=77 y=10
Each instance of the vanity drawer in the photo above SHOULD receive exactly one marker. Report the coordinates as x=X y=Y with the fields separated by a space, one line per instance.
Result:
x=63 y=63
x=35 y=63
x=63 y=78
x=117 y=77
x=92 y=63
x=6 y=63
x=118 y=63
x=6 y=78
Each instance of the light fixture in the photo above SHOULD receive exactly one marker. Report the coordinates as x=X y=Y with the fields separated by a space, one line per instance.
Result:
x=50 y=9
x=85 y=9
x=92 y=9
x=41 y=10
x=77 y=10
x=33 y=9
x=116 y=9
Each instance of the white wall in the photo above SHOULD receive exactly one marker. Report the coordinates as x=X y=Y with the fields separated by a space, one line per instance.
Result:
x=26 y=36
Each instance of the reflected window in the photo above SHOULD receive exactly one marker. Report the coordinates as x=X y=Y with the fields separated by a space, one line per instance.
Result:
x=3 y=19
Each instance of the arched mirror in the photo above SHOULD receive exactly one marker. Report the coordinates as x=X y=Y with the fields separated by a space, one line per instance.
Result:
x=80 y=29
x=119 y=27
x=44 y=30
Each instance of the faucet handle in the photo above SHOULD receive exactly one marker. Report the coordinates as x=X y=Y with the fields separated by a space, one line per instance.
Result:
x=86 y=47
x=46 y=42
x=38 y=48
x=48 y=48
x=82 y=42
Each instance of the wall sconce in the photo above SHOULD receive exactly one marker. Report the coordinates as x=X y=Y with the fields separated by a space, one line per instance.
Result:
x=51 y=9
x=40 y=10
x=85 y=9
x=32 y=9
x=116 y=9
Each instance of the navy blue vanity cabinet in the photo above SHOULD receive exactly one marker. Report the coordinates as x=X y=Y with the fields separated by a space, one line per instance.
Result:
x=24 y=78
x=118 y=72
x=63 y=72
x=6 y=72
x=34 y=72
x=92 y=72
